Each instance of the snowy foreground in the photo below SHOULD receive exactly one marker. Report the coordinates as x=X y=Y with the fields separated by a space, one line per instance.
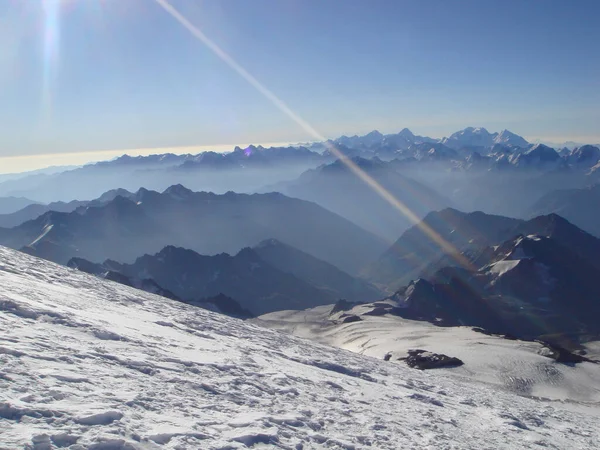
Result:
x=86 y=363
x=510 y=365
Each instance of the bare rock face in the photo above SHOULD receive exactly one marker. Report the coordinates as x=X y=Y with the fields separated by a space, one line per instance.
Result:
x=422 y=359
x=561 y=354
x=351 y=319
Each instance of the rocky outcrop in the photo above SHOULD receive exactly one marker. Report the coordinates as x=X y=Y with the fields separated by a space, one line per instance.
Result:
x=422 y=359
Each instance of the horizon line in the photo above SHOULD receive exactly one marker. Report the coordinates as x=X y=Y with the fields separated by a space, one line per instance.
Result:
x=18 y=164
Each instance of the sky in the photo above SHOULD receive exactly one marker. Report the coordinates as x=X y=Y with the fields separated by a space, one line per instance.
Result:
x=83 y=79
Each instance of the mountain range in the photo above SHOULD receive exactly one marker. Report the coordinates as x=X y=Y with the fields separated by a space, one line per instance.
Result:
x=146 y=221
x=579 y=206
x=267 y=278
x=337 y=188
x=531 y=287
x=475 y=257
x=450 y=167
x=219 y=303
x=417 y=252
x=481 y=138
x=10 y=205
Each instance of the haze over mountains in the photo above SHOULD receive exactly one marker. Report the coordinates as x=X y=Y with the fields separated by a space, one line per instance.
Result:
x=472 y=169
x=406 y=245
x=338 y=189
x=146 y=221
x=262 y=279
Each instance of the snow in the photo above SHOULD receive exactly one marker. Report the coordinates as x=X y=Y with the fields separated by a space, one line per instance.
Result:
x=88 y=363
x=509 y=365
x=501 y=267
x=45 y=231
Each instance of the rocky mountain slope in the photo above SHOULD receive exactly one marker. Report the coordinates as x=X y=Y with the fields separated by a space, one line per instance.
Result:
x=258 y=286
x=146 y=221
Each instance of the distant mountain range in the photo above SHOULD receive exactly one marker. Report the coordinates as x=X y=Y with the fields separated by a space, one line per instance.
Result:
x=146 y=221
x=270 y=277
x=10 y=205
x=530 y=287
x=218 y=303
x=253 y=167
x=205 y=171
x=579 y=206
x=35 y=210
x=473 y=169
x=417 y=254
x=335 y=187
x=481 y=138
x=534 y=279
x=316 y=272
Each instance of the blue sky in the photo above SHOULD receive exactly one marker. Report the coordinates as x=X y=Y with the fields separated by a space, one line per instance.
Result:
x=90 y=75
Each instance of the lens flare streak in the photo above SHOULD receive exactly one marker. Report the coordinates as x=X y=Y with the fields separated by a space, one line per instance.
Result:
x=352 y=166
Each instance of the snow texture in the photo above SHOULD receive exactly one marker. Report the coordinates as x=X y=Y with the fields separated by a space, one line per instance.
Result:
x=88 y=363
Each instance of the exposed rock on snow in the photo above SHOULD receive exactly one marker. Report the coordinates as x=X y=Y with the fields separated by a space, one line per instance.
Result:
x=422 y=359
x=562 y=355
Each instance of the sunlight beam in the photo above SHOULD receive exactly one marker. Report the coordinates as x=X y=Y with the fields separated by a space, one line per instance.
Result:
x=277 y=102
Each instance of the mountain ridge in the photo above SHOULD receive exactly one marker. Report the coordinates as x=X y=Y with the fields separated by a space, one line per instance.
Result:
x=125 y=228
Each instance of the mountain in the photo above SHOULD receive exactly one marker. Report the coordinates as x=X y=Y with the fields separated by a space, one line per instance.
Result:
x=416 y=252
x=218 y=303
x=87 y=363
x=269 y=277
x=532 y=287
x=368 y=140
x=579 y=206
x=505 y=137
x=108 y=273
x=337 y=188
x=539 y=157
x=502 y=179
x=379 y=143
x=316 y=272
x=147 y=221
x=482 y=138
x=385 y=146
x=432 y=152
x=253 y=283
x=241 y=170
x=584 y=157
x=31 y=173
x=35 y=210
x=9 y=205
x=415 y=249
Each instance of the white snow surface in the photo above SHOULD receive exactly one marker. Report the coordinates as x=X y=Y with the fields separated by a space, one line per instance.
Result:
x=502 y=364
x=499 y=268
x=88 y=363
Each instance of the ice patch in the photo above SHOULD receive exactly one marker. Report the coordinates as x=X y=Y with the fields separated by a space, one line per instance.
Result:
x=502 y=267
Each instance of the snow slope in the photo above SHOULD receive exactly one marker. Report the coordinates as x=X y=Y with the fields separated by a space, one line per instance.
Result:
x=87 y=363
x=508 y=365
